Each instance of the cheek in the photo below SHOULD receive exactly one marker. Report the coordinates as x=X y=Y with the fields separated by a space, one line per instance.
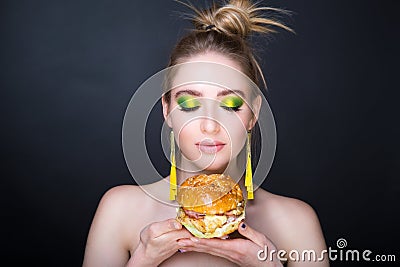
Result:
x=237 y=130
x=187 y=131
x=187 y=134
x=240 y=122
x=237 y=139
x=178 y=119
x=246 y=117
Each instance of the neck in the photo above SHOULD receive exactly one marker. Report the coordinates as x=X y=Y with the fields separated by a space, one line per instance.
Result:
x=234 y=168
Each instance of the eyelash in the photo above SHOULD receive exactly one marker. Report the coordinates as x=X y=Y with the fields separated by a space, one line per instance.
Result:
x=231 y=109
x=189 y=109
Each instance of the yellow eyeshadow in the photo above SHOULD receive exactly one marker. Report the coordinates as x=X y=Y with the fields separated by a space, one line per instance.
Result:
x=232 y=102
x=188 y=102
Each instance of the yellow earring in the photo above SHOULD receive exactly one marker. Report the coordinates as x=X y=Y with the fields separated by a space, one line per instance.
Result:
x=172 y=175
x=248 y=180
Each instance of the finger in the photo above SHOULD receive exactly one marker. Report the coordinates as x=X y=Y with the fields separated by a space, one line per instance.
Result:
x=157 y=229
x=175 y=236
x=174 y=240
x=255 y=236
x=169 y=242
x=216 y=244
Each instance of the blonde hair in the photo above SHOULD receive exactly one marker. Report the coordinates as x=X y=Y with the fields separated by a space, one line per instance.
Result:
x=236 y=17
x=225 y=29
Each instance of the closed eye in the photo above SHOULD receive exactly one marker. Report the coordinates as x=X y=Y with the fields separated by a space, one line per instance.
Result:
x=189 y=109
x=232 y=103
x=235 y=109
x=188 y=103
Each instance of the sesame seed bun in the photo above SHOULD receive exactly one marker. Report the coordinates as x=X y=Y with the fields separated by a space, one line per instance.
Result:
x=210 y=205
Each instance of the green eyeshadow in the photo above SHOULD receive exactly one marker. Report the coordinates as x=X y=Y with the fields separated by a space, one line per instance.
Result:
x=188 y=102
x=232 y=102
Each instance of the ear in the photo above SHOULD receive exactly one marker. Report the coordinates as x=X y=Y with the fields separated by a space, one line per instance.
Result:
x=256 y=106
x=165 y=106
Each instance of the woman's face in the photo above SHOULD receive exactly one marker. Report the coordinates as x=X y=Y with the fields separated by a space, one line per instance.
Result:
x=210 y=122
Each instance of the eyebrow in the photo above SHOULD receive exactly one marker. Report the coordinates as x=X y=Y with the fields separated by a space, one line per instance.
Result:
x=187 y=92
x=228 y=92
x=197 y=93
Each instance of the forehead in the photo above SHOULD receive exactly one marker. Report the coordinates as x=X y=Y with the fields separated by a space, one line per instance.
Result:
x=206 y=90
x=209 y=74
x=214 y=57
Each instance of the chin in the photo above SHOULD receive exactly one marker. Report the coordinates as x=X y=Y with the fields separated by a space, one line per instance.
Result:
x=210 y=166
x=210 y=205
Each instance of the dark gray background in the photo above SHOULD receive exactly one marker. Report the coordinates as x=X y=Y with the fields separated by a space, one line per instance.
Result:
x=69 y=69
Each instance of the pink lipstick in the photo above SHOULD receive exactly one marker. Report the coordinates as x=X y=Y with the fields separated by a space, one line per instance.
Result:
x=210 y=146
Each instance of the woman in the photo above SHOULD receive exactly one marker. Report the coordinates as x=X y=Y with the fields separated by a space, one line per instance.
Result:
x=119 y=236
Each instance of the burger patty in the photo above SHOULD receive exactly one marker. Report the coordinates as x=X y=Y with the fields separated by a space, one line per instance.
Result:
x=208 y=223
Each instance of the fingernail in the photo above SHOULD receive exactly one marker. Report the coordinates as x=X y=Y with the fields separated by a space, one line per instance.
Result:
x=176 y=225
x=182 y=250
x=243 y=226
x=225 y=237
x=194 y=239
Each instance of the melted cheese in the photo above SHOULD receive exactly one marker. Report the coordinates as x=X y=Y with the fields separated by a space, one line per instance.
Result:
x=213 y=222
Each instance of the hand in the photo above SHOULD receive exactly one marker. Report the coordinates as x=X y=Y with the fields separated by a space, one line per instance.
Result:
x=159 y=241
x=243 y=252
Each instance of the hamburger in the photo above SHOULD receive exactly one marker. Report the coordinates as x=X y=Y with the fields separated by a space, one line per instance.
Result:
x=210 y=205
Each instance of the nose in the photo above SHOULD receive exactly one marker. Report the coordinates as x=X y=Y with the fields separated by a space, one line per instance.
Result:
x=209 y=126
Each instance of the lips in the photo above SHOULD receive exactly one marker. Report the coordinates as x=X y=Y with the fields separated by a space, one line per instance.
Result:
x=210 y=146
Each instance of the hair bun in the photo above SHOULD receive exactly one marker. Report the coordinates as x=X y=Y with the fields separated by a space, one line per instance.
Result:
x=236 y=17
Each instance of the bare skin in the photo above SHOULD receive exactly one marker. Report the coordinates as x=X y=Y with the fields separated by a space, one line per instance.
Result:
x=131 y=228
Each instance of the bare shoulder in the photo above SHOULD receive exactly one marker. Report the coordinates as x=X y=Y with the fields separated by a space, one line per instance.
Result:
x=285 y=208
x=114 y=223
x=117 y=201
x=120 y=206
x=292 y=223
x=122 y=196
